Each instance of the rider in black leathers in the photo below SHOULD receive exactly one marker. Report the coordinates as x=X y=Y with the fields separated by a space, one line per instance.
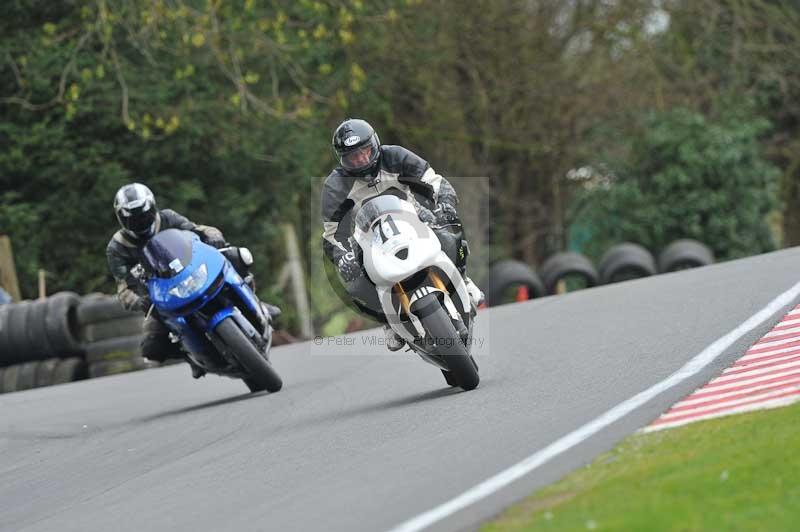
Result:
x=135 y=207
x=366 y=170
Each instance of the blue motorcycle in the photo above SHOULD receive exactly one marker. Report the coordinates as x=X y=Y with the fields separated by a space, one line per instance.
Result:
x=206 y=304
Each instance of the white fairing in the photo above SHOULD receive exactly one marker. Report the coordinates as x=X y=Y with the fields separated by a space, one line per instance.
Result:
x=413 y=237
x=396 y=246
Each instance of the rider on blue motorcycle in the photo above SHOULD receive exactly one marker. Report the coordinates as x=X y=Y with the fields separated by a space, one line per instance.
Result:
x=366 y=170
x=135 y=207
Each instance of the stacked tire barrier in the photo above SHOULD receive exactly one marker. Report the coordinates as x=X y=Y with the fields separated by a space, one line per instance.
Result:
x=65 y=338
x=511 y=280
x=110 y=336
x=39 y=345
x=566 y=266
x=39 y=373
x=624 y=262
x=683 y=254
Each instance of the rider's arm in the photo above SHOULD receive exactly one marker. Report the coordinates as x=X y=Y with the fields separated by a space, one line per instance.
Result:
x=120 y=263
x=120 y=260
x=415 y=171
x=335 y=205
x=172 y=220
x=208 y=234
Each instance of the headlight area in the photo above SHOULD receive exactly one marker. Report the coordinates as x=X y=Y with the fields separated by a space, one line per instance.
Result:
x=191 y=284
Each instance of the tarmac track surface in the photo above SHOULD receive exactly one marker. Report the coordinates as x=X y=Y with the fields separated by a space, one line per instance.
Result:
x=362 y=440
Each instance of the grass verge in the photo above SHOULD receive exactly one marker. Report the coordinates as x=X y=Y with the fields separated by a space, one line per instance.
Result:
x=735 y=473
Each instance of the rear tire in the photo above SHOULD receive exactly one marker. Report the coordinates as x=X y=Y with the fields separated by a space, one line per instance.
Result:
x=449 y=346
x=262 y=375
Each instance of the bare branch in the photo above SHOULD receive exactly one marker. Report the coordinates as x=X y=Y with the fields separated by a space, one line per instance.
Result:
x=62 y=84
x=25 y=104
x=16 y=71
x=126 y=119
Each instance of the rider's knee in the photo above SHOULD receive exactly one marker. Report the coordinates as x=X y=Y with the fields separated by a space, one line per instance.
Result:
x=156 y=344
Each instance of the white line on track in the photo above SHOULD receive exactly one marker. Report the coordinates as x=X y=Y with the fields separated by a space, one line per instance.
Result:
x=515 y=472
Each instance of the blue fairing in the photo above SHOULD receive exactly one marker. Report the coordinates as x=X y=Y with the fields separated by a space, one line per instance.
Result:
x=177 y=301
x=202 y=254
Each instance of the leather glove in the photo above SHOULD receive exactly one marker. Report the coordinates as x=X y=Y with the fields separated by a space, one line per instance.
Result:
x=131 y=301
x=426 y=215
x=211 y=236
x=445 y=214
x=349 y=267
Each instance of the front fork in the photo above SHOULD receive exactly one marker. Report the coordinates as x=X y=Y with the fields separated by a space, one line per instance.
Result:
x=405 y=302
x=436 y=281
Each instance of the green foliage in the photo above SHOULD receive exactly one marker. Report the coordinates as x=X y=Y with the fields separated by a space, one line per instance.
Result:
x=685 y=177
x=223 y=110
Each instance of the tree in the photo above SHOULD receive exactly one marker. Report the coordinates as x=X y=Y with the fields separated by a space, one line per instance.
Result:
x=221 y=109
x=686 y=177
x=718 y=51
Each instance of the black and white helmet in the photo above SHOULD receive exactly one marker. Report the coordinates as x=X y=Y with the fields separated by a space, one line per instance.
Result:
x=135 y=207
x=357 y=147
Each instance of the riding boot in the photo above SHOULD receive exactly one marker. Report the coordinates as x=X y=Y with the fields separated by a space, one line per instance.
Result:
x=394 y=342
x=197 y=371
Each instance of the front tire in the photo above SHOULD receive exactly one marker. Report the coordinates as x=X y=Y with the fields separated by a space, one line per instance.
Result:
x=449 y=378
x=262 y=375
x=448 y=343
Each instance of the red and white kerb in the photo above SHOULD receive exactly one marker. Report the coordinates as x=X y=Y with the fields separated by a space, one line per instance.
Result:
x=767 y=376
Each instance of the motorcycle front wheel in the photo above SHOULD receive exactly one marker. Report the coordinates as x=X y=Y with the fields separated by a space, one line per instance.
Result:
x=262 y=375
x=446 y=342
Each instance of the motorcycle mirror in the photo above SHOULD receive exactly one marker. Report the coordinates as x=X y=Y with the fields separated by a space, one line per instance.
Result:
x=246 y=256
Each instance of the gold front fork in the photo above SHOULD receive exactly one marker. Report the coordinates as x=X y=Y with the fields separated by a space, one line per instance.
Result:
x=437 y=281
x=403 y=299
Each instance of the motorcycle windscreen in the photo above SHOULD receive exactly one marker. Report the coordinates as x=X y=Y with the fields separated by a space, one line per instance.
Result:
x=169 y=252
x=377 y=207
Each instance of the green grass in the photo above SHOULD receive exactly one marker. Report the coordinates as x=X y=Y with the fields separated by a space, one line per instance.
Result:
x=735 y=473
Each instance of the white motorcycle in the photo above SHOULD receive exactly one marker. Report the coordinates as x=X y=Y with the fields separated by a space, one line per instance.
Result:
x=421 y=292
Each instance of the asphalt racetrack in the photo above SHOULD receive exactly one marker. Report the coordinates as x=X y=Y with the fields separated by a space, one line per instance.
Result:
x=359 y=439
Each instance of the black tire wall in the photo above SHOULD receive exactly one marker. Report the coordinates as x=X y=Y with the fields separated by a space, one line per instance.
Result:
x=508 y=273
